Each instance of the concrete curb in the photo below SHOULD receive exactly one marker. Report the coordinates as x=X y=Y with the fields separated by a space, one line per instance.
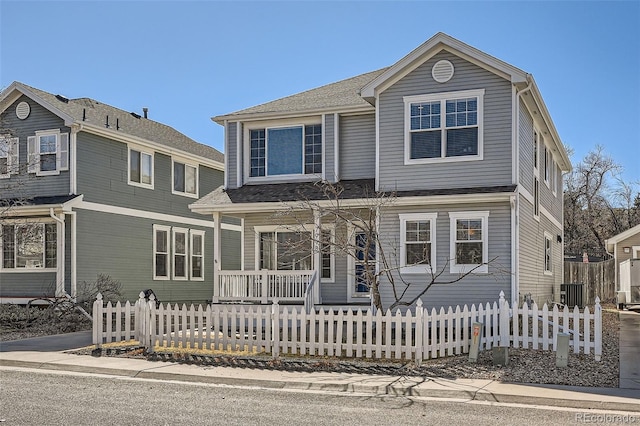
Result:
x=459 y=389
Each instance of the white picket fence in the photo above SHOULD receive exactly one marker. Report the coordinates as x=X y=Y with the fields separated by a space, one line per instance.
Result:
x=416 y=334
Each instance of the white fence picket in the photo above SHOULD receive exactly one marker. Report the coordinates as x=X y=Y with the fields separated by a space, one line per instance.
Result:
x=415 y=334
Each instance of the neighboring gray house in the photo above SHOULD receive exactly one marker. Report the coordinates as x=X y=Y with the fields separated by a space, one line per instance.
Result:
x=625 y=247
x=88 y=189
x=462 y=138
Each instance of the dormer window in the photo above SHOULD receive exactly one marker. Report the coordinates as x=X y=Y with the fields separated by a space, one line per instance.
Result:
x=285 y=151
x=443 y=127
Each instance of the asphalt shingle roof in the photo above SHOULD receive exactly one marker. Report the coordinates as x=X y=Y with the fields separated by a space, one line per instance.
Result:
x=96 y=112
x=349 y=190
x=344 y=93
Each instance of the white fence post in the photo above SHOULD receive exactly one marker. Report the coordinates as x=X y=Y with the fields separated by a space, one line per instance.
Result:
x=151 y=323
x=505 y=334
x=264 y=286
x=275 y=329
x=97 y=321
x=597 y=323
x=418 y=332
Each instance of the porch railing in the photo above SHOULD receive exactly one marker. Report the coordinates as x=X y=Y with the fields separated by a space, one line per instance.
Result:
x=262 y=286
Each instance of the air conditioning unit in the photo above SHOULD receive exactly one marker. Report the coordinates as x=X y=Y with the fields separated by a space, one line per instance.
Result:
x=572 y=295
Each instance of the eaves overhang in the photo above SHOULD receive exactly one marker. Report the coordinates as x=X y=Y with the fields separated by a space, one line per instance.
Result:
x=42 y=206
x=220 y=119
x=397 y=201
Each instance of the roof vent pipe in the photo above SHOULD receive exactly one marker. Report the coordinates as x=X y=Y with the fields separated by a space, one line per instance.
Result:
x=145 y=111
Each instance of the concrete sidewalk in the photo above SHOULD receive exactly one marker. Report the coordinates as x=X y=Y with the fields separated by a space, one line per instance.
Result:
x=630 y=350
x=432 y=387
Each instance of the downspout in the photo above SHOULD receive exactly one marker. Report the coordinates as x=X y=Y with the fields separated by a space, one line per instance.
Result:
x=515 y=204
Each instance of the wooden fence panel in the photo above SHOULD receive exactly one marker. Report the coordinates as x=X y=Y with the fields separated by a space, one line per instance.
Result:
x=598 y=278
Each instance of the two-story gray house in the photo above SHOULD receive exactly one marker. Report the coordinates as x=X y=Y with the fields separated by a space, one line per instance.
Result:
x=461 y=139
x=88 y=189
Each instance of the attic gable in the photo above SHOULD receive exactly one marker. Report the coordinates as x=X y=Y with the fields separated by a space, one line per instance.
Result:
x=429 y=49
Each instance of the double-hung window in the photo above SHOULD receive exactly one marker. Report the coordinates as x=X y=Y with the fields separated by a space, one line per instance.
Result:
x=285 y=151
x=538 y=143
x=185 y=179
x=548 y=259
x=444 y=127
x=417 y=242
x=48 y=152
x=178 y=253
x=8 y=156
x=469 y=241
x=140 y=168
x=31 y=245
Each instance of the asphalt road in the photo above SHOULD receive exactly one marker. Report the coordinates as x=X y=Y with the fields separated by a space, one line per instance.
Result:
x=31 y=397
x=53 y=343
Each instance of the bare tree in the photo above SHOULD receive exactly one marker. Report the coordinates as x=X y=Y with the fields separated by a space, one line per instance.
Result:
x=377 y=260
x=595 y=208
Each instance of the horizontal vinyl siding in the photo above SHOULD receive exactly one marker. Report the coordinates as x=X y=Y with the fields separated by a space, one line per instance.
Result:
x=526 y=148
x=532 y=279
x=494 y=169
x=358 y=147
x=26 y=284
x=231 y=156
x=122 y=247
x=329 y=147
x=103 y=178
x=27 y=185
x=473 y=289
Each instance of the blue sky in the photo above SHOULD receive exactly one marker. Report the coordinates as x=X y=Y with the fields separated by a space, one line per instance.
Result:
x=189 y=61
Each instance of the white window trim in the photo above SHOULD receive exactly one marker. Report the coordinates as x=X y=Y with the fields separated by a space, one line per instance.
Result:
x=168 y=254
x=554 y=178
x=297 y=228
x=174 y=231
x=197 y=175
x=635 y=251
x=44 y=248
x=536 y=198
x=192 y=233
x=536 y=153
x=417 y=269
x=61 y=154
x=443 y=97
x=146 y=152
x=352 y=295
x=266 y=125
x=13 y=155
x=548 y=237
x=547 y=166
x=455 y=268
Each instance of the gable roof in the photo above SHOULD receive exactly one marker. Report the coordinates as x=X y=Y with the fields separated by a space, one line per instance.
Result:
x=92 y=116
x=342 y=95
x=611 y=242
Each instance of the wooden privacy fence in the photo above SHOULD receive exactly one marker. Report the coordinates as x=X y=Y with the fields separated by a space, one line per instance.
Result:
x=416 y=334
x=598 y=279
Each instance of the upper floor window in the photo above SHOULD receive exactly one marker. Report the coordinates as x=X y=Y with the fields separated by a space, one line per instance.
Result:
x=278 y=151
x=185 y=179
x=444 y=127
x=29 y=245
x=536 y=149
x=140 y=168
x=417 y=242
x=48 y=152
x=469 y=242
x=548 y=268
x=8 y=156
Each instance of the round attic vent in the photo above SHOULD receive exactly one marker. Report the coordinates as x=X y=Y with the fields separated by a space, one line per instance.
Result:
x=442 y=71
x=22 y=110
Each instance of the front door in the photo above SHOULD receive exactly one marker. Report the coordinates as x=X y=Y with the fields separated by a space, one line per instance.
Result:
x=364 y=258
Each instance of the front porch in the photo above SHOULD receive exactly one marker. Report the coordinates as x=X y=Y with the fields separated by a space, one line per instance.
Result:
x=265 y=286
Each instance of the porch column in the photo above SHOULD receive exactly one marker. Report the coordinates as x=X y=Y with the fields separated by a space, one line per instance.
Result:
x=217 y=257
x=317 y=254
